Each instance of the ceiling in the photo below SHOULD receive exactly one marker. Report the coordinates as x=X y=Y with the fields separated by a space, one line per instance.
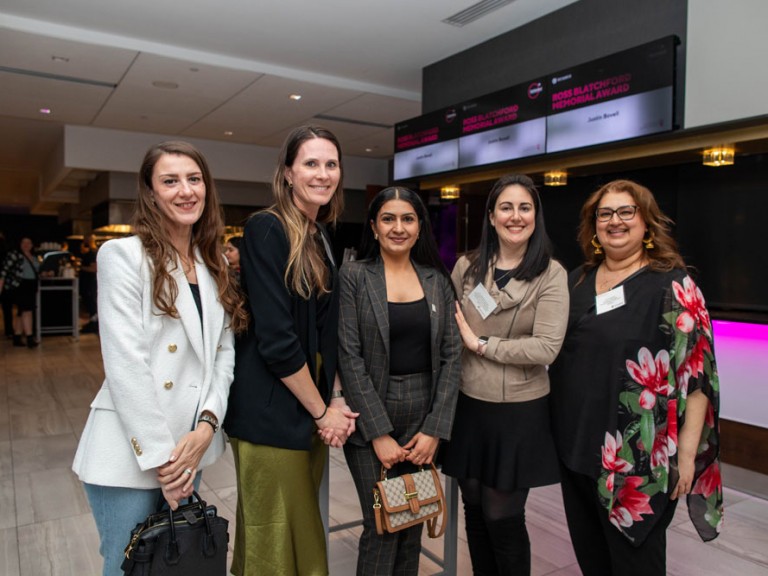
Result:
x=217 y=70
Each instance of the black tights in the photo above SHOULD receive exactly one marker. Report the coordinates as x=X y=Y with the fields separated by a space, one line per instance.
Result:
x=496 y=504
x=496 y=533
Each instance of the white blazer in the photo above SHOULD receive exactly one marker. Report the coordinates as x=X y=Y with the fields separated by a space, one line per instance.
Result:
x=161 y=372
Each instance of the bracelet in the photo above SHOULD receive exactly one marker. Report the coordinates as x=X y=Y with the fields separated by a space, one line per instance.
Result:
x=209 y=420
x=321 y=415
x=337 y=393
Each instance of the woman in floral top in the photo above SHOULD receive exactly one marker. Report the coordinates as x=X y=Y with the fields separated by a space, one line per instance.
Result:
x=635 y=391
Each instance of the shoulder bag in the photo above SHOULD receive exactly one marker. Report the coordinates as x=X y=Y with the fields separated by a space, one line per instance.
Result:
x=410 y=499
x=190 y=541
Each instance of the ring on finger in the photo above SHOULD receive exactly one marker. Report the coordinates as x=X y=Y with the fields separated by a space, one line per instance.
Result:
x=188 y=471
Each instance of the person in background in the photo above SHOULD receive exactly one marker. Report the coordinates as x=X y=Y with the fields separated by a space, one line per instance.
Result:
x=19 y=275
x=5 y=295
x=635 y=392
x=168 y=310
x=88 y=285
x=399 y=351
x=232 y=253
x=512 y=311
x=284 y=404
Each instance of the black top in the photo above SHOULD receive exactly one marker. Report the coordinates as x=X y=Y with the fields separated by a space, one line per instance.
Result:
x=285 y=332
x=410 y=350
x=501 y=277
x=198 y=302
x=619 y=390
x=587 y=376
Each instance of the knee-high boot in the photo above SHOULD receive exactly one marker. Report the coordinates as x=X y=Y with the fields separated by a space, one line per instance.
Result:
x=479 y=542
x=511 y=545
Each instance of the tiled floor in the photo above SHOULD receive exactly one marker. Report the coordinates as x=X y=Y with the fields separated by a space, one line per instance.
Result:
x=46 y=528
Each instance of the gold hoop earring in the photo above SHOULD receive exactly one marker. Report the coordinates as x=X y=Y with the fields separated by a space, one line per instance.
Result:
x=648 y=242
x=596 y=244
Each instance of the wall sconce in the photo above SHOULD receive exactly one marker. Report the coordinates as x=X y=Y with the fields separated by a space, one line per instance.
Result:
x=449 y=193
x=719 y=156
x=556 y=178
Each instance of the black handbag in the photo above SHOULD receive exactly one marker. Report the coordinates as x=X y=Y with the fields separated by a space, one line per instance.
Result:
x=190 y=541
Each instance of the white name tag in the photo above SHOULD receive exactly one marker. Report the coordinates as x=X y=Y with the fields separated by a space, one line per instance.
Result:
x=483 y=301
x=610 y=300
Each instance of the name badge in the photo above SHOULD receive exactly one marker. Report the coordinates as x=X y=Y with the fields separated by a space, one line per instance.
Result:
x=483 y=301
x=610 y=300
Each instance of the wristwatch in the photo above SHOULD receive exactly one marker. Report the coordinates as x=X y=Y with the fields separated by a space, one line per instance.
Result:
x=209 y=420
x=482 y=341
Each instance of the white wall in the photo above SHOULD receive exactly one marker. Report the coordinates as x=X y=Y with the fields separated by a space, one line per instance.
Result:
x=726 y=61
x=120 y=151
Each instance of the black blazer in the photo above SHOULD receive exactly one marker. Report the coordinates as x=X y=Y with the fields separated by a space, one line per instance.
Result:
x=364 y=348
x=285 y=332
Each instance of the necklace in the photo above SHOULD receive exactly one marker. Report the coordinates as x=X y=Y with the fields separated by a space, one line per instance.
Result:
x=187 y=264
x=613 y=277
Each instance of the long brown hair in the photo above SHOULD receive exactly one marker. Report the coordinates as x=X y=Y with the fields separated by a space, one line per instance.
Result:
x=306 y=271
x=663 y=257
x=151 y=225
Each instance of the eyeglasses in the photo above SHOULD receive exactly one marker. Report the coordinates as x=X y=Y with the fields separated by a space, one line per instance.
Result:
x=625 y=213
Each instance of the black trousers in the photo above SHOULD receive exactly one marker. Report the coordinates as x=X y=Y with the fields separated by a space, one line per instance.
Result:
x=601 y=549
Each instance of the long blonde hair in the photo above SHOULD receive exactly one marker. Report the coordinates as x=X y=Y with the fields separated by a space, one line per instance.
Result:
x=306 y=271
x=151 y=225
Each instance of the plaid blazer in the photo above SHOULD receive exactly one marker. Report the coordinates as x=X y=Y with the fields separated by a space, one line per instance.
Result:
x=364 y=348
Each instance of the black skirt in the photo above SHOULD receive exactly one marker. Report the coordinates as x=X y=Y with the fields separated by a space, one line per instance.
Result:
x=505 y=445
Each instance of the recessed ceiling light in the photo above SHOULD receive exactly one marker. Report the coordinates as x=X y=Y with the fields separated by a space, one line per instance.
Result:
x=295 y=96
x=228 y=133
x=59 y=58
x=165 y=85
x=369 y=149
x=45 y=110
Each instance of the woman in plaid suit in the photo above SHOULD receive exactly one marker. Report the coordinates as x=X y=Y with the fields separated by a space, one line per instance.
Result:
x=399 y=350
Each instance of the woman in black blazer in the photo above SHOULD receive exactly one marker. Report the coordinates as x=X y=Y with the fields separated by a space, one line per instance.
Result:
x=280 y=398
x=399 y=351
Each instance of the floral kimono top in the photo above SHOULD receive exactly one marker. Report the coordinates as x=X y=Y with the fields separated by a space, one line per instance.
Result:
x=619 y=390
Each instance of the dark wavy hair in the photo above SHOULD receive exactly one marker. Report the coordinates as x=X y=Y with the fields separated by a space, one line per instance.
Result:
x=664 y=257
x=424 y=251
x=150 y=224
x=235 y=241
x=306 y=270
x=539 y=251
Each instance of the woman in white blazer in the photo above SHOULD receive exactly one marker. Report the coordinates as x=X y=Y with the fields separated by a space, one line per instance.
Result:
x=167 y=313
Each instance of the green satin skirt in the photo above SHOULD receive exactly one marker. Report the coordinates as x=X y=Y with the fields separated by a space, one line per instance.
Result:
x=279 y=529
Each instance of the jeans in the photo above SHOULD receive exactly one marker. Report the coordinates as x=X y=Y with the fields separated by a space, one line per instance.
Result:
x=116 y=512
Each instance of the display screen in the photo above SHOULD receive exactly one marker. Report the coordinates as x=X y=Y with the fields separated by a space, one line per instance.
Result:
x=427 y=144
x=622 y=96
x=625 y=95
x=503 y=126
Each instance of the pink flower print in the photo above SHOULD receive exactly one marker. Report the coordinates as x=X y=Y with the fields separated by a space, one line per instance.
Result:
x=709 y=481
x=611 y=461
x=652 y=374
x=630 y=503
x=709 y=419
x=692 y=300
x=672 y=427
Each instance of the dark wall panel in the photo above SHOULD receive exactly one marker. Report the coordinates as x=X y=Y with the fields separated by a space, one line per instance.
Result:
x=578 y=33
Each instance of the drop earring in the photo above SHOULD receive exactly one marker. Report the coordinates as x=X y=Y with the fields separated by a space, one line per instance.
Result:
x=596 y=244
x=648 y=242
x=375 y=236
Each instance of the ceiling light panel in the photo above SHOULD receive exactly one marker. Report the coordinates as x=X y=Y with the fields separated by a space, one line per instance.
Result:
x=475 y=12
